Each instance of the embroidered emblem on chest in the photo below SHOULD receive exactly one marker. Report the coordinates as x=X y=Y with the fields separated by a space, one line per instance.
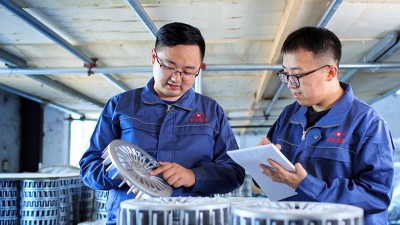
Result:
x=198 y=118
x=337 y=137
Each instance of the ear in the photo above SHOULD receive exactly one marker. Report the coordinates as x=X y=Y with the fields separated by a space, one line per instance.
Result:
x=332 y=72
x=153 y=56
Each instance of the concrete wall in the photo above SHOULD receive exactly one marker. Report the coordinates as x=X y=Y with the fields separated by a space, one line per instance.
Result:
x=9 y=132
x=389 y=108
x=55 y=135
x=55 y=138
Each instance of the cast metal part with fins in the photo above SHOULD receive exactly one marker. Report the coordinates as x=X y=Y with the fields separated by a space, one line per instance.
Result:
x=133 y=165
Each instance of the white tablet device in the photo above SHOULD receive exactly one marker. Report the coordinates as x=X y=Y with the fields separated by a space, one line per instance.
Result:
x=251 y=158
x=275 y=154
x=262 y=153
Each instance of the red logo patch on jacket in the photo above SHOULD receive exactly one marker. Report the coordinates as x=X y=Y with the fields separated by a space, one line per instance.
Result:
x=337 y=137
x=198 y=118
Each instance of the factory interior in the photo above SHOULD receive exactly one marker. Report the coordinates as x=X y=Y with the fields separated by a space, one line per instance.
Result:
x=62 y=60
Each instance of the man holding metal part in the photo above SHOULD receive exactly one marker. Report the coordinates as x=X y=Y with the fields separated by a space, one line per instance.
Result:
x=186 y=132
x=342 y=149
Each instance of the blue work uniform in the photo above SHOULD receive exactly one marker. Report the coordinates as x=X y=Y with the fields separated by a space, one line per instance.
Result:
x=348 y=155
x=193 y=132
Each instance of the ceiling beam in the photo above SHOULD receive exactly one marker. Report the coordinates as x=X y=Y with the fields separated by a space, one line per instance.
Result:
x=33 y=22
x=290 y=12
x=10 y=60
x=15 y=61
x=67 y=90
x=143 y=16
x=139 y=69
x=330 y=11
x=378 y=52
x=41 y=101
x=384 y=95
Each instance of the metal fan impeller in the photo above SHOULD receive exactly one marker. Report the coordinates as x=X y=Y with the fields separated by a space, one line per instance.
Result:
x=133 y=166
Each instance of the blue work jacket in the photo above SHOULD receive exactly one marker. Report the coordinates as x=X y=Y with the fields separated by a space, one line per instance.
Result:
x=348 y=155
x=193 y=132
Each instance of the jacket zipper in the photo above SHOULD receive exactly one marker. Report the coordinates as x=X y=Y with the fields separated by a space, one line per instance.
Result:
x=169 y=108
x=303 y=137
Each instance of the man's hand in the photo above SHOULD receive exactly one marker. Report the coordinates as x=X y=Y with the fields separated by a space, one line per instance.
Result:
x=175 y=174
x=265 y=141
x=279 y=174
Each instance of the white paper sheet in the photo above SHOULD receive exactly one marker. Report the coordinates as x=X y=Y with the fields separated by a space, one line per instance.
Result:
x=250 y=158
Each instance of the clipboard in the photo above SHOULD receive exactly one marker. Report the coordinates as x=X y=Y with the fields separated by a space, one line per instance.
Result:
x=250 y=158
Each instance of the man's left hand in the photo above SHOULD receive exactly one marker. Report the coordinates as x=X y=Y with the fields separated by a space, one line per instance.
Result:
x=279 y=174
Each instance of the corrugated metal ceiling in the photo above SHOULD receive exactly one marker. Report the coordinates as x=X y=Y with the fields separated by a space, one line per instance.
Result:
x=238 y=33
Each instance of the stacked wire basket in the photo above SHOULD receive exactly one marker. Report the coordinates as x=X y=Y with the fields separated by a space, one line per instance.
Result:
x=44 y=199
x=9 y=192
x=99 y=208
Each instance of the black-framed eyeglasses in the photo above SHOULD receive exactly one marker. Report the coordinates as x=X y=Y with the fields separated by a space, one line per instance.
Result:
x=294 y=78
x=169 y=70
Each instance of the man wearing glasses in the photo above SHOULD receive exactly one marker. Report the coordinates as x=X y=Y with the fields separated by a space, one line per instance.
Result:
x=187 y=133
x=342 y=149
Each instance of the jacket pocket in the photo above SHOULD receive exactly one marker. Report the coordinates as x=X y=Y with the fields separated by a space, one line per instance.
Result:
x=196 y=130
x=195 y=145
x=335 y=154
x=132 y=123
x=330 y=163
x=145 y=135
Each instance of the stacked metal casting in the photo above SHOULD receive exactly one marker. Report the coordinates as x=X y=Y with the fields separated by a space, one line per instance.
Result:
x=40 y=201
x=66 y=210
x=296 y=213
x=99 y=209
x=86 y=203
x=175 y=211
x=9 y=193
x=76 y=192
x=234 y=211
x=44 y=199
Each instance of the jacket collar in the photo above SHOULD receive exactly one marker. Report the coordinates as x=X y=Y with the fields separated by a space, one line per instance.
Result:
x=149 y=96
x=337 y=113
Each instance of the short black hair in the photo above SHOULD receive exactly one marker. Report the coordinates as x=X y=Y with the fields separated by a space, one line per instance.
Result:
x=176 y=33
x=320 y=41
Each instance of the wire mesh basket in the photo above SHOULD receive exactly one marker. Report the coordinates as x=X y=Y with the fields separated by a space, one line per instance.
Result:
x=66 y=211
x=99 y=208
x=86 y=203
x=40 y=201
x=9 y=196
